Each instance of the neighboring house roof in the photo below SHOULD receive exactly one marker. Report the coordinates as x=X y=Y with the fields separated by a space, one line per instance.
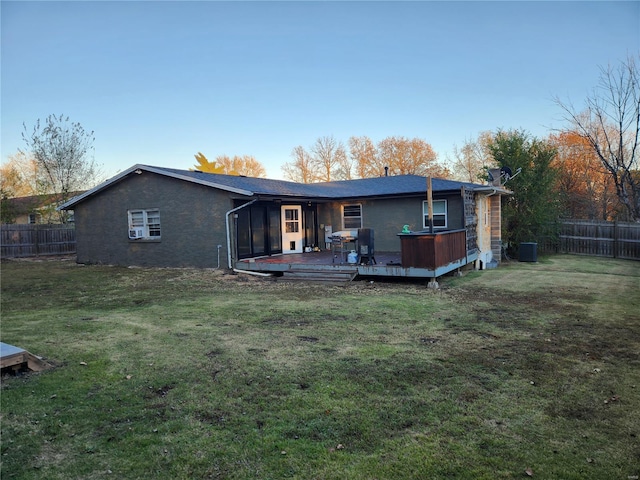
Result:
x=398 y=185
x=32 y=203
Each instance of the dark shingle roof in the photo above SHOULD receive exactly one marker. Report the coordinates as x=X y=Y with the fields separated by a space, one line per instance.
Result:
x=364 y=187
x=400 y=185
x=257 y=186
x=32 y=203
x=389 y=186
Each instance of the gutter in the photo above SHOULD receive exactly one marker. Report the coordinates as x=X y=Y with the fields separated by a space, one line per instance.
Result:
x=228 y=230
x=490 y=190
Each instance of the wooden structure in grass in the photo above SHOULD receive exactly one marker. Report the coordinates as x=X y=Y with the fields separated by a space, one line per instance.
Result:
x=16 y=359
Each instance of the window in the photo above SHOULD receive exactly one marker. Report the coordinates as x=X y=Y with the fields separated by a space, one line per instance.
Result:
x=291 y=220
x=351 y=216
x=439 y=213
x=33 y=218
x=146 y=220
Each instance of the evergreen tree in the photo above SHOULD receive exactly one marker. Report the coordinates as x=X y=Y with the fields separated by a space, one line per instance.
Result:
x=530 y=214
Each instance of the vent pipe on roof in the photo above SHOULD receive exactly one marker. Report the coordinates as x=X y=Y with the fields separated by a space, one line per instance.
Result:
x=386 y=171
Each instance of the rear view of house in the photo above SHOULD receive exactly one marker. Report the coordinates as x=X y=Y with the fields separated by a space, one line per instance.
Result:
x=154 y=216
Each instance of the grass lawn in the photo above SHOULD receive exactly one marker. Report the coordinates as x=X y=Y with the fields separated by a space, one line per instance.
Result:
x=526 y=370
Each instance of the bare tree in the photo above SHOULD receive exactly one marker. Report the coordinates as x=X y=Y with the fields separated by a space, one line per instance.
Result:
x=328 y=160
x=328 y=157
x=245 y=165
x=470 y=162
x=610 y=124
x=345 y=167
x=364 y=154
x=62 y=152
x=406 y=156
x=301 y=169
x=325 y=162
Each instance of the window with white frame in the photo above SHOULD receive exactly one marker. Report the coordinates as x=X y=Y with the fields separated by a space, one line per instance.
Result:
x=352 y=216
x=144 y=224
x=439 y=213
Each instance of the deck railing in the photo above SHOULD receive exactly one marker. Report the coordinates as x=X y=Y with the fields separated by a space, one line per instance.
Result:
x=432 y=250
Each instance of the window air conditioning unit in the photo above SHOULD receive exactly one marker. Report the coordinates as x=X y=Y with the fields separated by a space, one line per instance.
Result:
x=136 y=233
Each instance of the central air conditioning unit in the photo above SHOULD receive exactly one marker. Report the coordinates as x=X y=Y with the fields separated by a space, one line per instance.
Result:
x=136 y=233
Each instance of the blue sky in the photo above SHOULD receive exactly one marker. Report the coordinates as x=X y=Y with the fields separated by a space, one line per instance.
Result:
x=160 y=81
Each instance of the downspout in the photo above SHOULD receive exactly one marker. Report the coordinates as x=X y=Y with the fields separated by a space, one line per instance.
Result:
x=228 y=230
x=464 y=224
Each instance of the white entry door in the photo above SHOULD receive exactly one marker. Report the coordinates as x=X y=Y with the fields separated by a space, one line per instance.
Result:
x=292 y=229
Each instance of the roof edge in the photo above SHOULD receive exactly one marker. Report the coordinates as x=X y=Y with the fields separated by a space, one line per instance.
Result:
x=186 y=178
x=139 y=167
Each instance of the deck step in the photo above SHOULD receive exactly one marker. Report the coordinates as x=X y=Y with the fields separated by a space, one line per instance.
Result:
x=328 y=276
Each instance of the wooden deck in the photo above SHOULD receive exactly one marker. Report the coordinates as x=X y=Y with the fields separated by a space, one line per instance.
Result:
x=16 y=358
x=388 y=264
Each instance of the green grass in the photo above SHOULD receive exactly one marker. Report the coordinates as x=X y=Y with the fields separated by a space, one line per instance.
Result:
x=194 y=374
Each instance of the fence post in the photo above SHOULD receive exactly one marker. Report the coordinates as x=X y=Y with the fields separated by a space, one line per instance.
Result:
x=615 y=239
x=36 y=240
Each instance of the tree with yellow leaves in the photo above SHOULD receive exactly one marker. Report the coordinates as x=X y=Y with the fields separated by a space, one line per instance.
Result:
x=19 y=176
x=584 y=187
x=246 y=165
x=204 y=165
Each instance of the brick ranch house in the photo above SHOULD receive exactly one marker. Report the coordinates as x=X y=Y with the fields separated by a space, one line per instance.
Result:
x=165 y=217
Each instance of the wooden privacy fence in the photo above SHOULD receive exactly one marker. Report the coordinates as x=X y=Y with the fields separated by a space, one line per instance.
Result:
x=34 y=240
x=598 y=238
